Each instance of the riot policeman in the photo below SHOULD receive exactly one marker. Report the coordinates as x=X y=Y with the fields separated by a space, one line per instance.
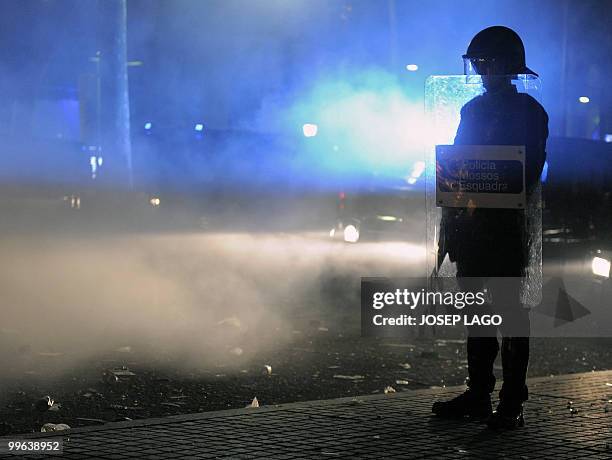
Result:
x=489 y=242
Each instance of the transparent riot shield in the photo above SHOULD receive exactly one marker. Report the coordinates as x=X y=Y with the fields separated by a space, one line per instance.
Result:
x=484 y=160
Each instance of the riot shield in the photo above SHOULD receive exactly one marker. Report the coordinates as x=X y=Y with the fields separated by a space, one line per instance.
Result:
x=484 y=160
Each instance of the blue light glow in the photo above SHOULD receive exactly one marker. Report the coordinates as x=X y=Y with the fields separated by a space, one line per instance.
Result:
x=148 y=125
x=93 y=162
x=417 y=170
x=376 y=122
x=544 y=175
x=199 y=127
x=412 y=67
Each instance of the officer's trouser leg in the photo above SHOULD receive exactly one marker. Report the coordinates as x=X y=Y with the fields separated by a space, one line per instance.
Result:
x=481 y=352
x=515 y=357
x=515 y=330
x=482 y=344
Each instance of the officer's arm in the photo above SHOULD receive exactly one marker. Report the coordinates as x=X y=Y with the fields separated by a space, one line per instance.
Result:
x=462 y=130
x=537 y=136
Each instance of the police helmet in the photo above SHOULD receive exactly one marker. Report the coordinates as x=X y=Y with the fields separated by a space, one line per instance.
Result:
x=496 y=50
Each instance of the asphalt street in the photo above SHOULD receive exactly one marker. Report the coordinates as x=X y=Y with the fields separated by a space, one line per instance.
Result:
x=128 y=326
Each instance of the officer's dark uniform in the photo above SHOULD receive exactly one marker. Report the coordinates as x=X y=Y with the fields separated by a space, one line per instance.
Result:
x=489 y=242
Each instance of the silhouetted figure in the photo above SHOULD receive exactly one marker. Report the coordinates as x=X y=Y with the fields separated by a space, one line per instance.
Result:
x=486 y=242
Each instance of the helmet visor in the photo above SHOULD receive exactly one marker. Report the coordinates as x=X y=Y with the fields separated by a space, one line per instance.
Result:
x=484 y=66
x=494 y=66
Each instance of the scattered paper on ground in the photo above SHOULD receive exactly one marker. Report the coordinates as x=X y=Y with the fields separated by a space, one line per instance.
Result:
x=349 y=377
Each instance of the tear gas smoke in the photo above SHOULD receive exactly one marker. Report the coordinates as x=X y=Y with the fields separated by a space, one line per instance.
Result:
x=196 y=295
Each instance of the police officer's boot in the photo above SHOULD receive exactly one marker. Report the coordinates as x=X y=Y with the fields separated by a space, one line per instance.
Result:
x=467 y=404
x=509 y=412
x=476 y=401
x=507 y=416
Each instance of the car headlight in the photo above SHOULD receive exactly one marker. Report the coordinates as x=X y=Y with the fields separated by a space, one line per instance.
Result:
x=601 y=267
x=387 y=218
x=351 y=234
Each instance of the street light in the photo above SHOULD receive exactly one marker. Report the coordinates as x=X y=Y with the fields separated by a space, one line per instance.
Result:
x=310 y=130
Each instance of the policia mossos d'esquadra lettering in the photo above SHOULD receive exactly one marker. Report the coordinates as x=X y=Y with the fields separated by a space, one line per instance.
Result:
x=489 y=242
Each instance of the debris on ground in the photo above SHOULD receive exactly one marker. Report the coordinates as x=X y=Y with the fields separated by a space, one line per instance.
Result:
x=117 y=375
x=308 y=368
x=443 y=342
x=268 y=369
x=47 y=427
x=402 y=382
x=405 y=366
x=55 y=407
x=124 y=407
x=254 y=404
x=90 y=393
x=349 y=377
x=44 y=404
x=389 y=389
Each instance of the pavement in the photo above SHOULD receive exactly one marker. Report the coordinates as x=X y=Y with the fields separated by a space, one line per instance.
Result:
x=567 y=417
